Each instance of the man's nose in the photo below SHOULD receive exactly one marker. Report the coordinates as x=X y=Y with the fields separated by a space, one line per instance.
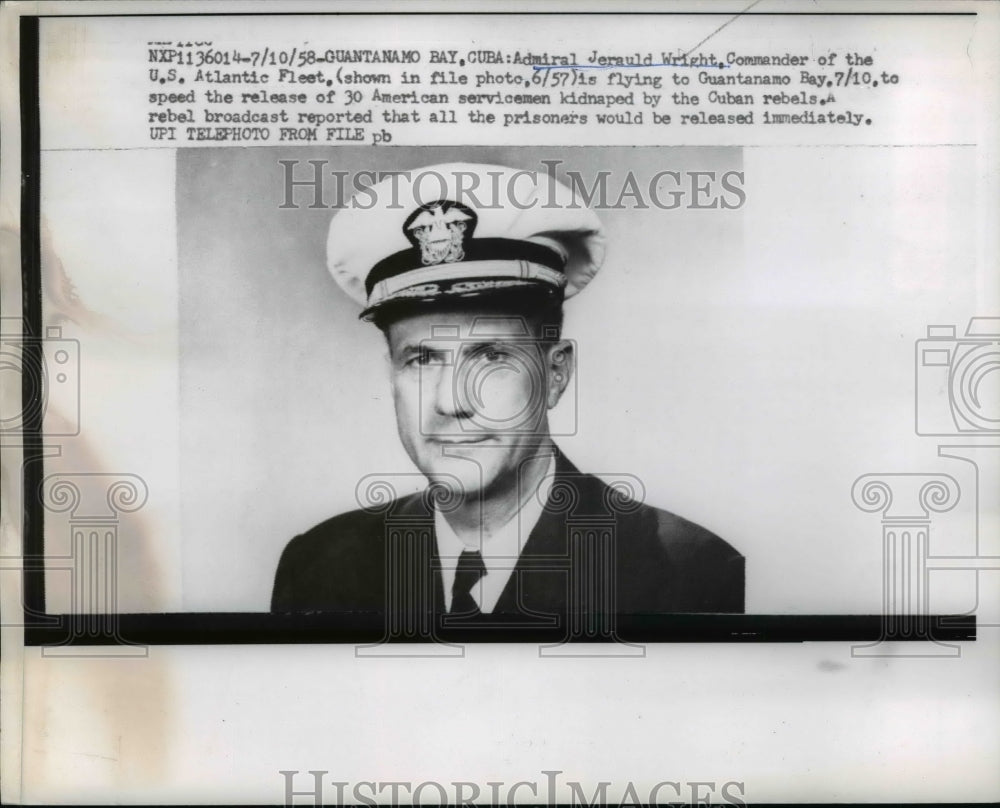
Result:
x=448 y=399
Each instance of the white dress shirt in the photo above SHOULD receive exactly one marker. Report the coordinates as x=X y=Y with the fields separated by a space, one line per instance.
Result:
x=500 y=549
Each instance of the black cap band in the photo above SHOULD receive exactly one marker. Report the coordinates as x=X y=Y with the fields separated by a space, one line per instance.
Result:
x=475 y=249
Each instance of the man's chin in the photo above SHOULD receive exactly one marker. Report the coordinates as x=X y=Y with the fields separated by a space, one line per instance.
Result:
x=461 y=478
x=448 y=496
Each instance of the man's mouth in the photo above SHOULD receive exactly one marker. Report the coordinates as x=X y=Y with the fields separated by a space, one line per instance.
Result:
x=464 y=441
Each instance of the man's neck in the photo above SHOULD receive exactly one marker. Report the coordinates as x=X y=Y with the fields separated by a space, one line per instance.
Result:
x=480 y=517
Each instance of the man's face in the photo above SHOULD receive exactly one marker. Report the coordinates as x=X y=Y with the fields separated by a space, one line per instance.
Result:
x=472 y=392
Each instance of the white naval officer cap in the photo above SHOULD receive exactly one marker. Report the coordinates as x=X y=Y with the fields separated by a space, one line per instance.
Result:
x=457 y=231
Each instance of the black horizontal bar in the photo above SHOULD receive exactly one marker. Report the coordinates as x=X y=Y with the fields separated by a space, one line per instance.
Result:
x=263 y=628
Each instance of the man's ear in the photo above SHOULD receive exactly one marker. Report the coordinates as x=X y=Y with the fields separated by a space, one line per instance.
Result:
x=560 y=363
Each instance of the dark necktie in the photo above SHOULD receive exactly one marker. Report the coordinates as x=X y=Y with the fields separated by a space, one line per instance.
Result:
x=470 y=569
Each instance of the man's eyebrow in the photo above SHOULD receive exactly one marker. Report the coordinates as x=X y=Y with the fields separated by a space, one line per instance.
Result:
x=420 y=347
x=465 y=345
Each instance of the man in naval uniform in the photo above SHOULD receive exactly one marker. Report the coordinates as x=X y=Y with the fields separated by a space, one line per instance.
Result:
x=464 y=268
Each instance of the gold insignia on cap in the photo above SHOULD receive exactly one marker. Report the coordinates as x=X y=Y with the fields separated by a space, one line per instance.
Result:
x=440 y=229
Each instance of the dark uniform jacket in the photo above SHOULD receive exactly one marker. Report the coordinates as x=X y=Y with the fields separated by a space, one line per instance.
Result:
x=593 y=554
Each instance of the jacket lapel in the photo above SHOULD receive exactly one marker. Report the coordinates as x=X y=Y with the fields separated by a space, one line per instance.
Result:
x=539 y=584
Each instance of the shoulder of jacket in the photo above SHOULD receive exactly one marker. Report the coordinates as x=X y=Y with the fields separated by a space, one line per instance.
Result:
x=345 y=530
x=680 y=535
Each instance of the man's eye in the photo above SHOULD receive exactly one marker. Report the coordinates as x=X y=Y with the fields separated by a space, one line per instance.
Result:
x=422 y=358
x=493 y=353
